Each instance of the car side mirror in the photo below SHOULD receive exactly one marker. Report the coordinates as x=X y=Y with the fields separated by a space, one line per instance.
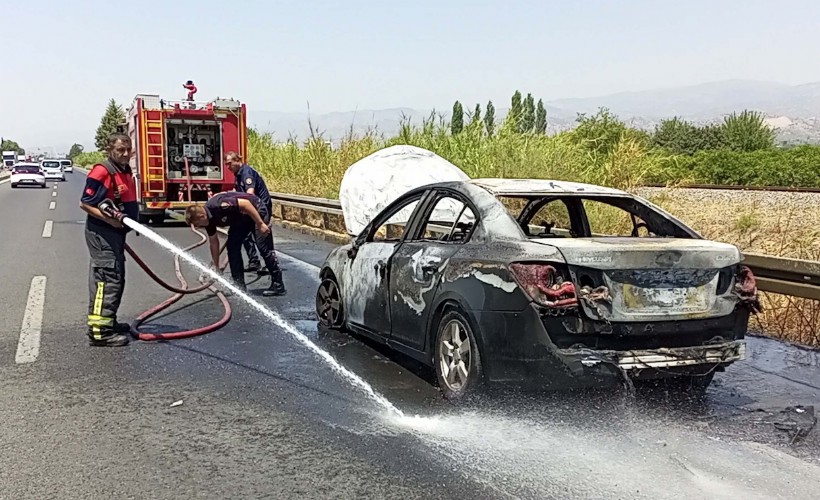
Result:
x=358 y=242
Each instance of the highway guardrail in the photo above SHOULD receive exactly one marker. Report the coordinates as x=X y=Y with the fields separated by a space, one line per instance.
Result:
x=323 y=217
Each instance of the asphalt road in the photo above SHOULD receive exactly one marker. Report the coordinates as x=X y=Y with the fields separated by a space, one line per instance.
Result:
x=264 y=417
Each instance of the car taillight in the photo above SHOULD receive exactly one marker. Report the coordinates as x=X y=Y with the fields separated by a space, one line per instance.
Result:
x=544 y=285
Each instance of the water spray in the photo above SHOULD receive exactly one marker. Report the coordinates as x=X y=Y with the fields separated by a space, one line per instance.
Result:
x=110 y=210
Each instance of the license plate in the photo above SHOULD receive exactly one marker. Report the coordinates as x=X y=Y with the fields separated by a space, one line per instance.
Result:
x=681 y=299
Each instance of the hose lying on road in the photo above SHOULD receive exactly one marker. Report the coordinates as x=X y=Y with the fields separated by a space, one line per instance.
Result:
x=179 y=292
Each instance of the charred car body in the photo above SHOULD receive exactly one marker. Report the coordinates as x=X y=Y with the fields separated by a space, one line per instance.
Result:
x=549 y=283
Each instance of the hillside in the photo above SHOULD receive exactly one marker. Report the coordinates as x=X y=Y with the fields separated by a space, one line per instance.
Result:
x=793 y=110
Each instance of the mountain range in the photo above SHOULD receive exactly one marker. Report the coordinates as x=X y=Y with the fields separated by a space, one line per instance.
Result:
x=793 y=110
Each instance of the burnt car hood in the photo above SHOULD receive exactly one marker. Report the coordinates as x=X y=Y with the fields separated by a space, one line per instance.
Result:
x=644 y=253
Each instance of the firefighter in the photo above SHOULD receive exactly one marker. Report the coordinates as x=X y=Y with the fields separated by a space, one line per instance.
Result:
x=191 y=88
x=107 y=183
x=249 y=181
x=244 y=214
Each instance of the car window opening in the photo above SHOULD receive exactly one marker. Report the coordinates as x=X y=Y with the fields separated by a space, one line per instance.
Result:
x=585 y=216
x=451 y=220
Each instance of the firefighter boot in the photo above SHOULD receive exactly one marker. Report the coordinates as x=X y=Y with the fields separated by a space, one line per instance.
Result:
x=277 y=287
x=111 y=340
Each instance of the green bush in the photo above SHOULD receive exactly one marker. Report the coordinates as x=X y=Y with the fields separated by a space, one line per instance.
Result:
x=89 y=158
x=795 y=167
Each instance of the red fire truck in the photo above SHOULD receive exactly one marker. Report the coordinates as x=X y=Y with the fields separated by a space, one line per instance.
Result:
x=178 y=150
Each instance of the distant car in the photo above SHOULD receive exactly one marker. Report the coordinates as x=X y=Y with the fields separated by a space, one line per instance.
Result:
x=68 y=166
x=546 y=283
x=27 y=174
x=53 y=169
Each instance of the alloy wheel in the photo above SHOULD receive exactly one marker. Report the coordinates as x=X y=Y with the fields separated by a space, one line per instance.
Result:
x=454 y=355
x=329 y=304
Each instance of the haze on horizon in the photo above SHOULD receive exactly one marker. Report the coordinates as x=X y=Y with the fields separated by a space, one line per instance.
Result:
x=65 y=60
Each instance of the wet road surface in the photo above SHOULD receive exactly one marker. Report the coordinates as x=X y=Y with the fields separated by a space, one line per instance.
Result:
x=263 y=417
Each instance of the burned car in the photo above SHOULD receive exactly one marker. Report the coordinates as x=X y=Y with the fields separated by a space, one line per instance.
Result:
x=536 y=282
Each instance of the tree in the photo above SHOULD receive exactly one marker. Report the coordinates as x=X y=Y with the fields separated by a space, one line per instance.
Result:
x=747 y=132
x=114 y=115
x=9 y=145
x=600 y=133
x=682 y=137
x=75 y=150
x=476 y=114
x=516 y=111
x=540 y=118
x=528 y=117
x=457 y=122
x=489 y=119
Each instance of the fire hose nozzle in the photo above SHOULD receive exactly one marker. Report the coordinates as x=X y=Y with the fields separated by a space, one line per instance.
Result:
x=108 y=208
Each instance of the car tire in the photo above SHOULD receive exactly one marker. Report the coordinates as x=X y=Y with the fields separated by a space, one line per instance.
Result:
x=329 y=306
x=14 y=186
x=456 y=359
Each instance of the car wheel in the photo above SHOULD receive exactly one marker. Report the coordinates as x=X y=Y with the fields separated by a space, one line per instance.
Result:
x=13 y=186
x=457 y=358
x=329 y=308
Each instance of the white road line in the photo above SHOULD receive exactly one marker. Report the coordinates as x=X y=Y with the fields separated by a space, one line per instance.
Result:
x=52 y=205
x=54 y=193
x=55 y=186
x=47 y=229
x=28 y=347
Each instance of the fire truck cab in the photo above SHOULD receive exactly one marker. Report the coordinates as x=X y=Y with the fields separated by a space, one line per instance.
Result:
x=179 y=148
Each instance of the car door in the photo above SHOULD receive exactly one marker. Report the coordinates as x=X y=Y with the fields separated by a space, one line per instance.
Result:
x=365 y=291
x=447 y=222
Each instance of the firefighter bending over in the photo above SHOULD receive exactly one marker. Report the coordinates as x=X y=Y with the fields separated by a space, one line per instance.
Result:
x=243 y=213
x=249 y=181
x=108 y=182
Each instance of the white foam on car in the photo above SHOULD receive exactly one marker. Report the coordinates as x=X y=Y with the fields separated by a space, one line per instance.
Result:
x=375 y=181
x=348 y=375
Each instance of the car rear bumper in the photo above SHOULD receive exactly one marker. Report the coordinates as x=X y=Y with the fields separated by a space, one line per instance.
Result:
x=517 y=348
x=27 y=179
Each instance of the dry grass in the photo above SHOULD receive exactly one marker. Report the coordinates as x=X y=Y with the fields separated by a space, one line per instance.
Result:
x=778 y=224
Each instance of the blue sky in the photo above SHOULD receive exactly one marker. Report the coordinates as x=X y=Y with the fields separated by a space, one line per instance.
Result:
x=63 y=60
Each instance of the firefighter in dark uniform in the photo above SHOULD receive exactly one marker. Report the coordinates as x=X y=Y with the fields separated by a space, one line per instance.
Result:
x=243 y=214
x=109 y=185
x=249 y=181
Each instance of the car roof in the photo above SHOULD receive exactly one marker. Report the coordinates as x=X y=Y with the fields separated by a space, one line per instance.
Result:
x=524 y=187
x=27 y=164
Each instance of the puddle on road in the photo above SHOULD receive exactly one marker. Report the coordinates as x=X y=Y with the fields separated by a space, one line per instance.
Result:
x=594 y=457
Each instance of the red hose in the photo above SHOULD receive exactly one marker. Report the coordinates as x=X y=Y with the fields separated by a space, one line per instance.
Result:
x=179 y=292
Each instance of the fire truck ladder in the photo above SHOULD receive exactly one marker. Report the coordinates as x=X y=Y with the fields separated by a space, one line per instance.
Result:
x=155 y=155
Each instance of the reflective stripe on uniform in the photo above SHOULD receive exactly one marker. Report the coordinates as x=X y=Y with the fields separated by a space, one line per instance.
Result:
x=95 y=319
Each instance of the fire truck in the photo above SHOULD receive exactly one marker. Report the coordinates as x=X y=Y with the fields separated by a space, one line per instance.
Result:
x=179 y=148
